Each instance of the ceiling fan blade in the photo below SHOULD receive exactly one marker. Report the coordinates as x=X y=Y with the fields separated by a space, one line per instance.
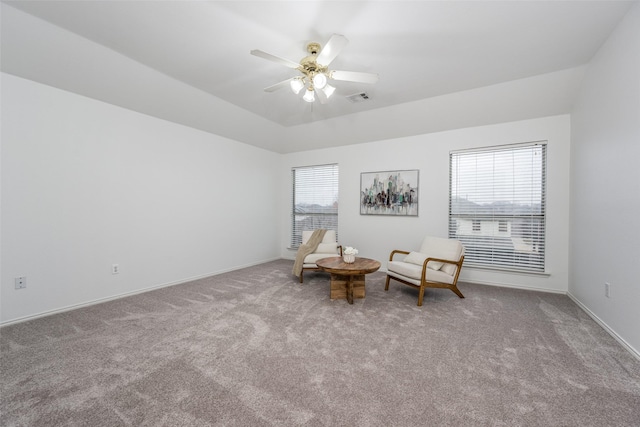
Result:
x=354 y=76
x=322 y=97
x=277 y=86
x=331 y=49
x=274 y=58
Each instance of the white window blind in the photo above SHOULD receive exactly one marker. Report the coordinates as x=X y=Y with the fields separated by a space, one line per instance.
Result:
x=314 y=200
x=497 y=205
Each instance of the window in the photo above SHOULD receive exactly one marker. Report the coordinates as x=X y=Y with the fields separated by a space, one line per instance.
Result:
x=315 y=200
x=497 y=205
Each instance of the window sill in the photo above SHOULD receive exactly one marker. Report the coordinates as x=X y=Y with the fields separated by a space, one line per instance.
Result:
x=507 y=270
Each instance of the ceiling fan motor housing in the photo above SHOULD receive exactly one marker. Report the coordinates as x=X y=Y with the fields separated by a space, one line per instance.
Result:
x=308 y=64
x=313 y=48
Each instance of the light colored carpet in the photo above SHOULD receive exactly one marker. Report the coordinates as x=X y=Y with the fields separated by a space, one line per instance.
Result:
x=256 y=348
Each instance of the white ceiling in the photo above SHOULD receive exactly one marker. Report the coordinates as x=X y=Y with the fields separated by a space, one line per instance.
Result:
x=422 y=51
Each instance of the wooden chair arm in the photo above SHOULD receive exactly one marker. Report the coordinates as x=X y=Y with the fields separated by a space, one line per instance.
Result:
x=340 y=249
x=446 y=261
x=426 y=261
x=397 y=251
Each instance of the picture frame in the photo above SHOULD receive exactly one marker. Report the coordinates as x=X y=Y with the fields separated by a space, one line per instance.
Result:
x=389 y=193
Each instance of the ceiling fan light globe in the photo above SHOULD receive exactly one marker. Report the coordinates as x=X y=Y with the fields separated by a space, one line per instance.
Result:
x=296 y=85
x=328 y=90
x=319 y=80
x=310 y=95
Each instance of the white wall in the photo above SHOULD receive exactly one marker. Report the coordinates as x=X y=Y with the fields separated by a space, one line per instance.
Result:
x=87 y=184
x=605 y=184
x=376 y=236
x=32 y=48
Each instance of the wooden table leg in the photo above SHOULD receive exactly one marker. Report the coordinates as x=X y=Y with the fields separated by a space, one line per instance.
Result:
x=350 y=289
x=347 y=286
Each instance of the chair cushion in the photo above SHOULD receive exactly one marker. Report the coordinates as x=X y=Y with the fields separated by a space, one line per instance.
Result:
x=418 y=259
x=450 y=269
x=312 y=258
x=329 y=236
x=327 y=248
x=413 y=272
x=408 y=269
x=438 y=247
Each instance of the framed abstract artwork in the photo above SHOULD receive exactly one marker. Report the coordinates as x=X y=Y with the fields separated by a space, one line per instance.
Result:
x=393 y=193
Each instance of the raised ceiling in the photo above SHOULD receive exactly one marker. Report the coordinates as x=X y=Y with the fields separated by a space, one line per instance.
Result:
x=189 y=61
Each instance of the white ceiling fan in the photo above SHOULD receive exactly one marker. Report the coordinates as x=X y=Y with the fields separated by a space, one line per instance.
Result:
x=315 y=70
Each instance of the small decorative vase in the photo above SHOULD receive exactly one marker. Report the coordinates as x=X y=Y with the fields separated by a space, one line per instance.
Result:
x=349 y=258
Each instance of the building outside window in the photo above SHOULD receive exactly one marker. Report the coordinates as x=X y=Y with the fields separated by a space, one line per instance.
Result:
x=497 y=205
x=314 y=200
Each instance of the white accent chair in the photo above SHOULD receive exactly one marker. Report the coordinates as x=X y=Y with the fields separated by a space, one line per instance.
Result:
x=436 y=265
x=329 y=247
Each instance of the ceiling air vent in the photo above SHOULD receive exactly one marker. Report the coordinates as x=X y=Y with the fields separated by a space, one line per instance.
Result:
x=358 y=97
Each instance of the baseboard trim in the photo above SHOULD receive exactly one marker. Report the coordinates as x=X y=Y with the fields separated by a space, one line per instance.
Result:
x=509 y=285
x=127 y=294
x=606 y=327
x=502 y=285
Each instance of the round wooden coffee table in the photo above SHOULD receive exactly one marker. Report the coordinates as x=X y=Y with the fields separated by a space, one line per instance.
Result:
x=345 y=277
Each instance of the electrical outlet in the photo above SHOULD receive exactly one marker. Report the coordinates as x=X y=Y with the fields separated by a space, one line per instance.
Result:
x=21 y=282
x=607 y=290
x=115 y=269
